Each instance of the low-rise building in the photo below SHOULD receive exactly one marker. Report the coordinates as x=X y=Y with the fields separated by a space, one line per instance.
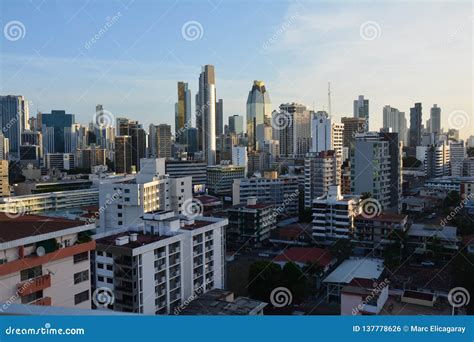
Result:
x=307 y=256
x=45 y=261
x=435 y=238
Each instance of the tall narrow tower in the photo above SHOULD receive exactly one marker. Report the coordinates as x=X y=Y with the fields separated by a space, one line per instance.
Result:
x=206 y=112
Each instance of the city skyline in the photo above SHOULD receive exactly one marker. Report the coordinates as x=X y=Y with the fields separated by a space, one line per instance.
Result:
x=142 y=86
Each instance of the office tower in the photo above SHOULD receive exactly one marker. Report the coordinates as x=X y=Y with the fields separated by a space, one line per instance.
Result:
x=159 y=141
x=89 y=157
x=221 y=177
x=60 y=161
x=123 y=154
x=258 y=115
x=57 y=130
x=48 y=261
x=206 y=113
x=236 y=124
x=395 y=121
x=185 y=168
x=192 y=137
x=376 y=167
x=295 y=132
x=182 y=112
x=4 y=147
x=361 y=110
x=4 y=184
x=14 y=115
x=457 y=154
x=333 y=216
x=326 y=134
x=435 y=119
x=219 y=117
x=239 y=156
x=351 y=127
x=173 y=258
x=224 y=146
x=415 y=125
x=138 y=139
x=320 y=172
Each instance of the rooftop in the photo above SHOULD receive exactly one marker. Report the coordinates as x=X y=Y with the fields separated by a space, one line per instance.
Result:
x=356 y=268
x=24 y=226
x=306 y=255
x=142 y=239
x=385 y=216
x=428 y=230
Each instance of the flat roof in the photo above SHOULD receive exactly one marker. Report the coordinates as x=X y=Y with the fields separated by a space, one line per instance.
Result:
x=384 y=216
x=356 y=268
x=429 y=230
x=142 y=239
x=24 y=226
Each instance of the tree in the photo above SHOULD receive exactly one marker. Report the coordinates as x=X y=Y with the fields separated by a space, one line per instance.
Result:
x=264 y=276
x=341 y=249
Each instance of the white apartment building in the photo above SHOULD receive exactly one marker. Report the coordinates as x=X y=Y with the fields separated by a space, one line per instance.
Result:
x=123 y=203
x=457 y=154
x=239 y=156
x=320 y=172
x=282 y=192
x=333 y=216
x=45 y=261
x=156 y=269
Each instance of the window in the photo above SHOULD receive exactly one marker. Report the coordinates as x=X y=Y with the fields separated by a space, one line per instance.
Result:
x=81 y=257
x=100 y=253
x=100 y=278
x=32 y=297
x=109 y=268
x=110 y=280
x=31 y=273
x=127 y=191
x=79 y=277
x=119 y=223
x=101 y=266
x=109 y=255
x=67 y=243
x=119 y=215
x=81 y=297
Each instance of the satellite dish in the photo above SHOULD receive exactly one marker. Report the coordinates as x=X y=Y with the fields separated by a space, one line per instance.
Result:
x=40 y=251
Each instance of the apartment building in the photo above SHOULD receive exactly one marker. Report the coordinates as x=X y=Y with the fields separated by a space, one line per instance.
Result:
x=333 y=216
x=45 y=261
x=221 y=177
x=155 y=269
x=320 y=172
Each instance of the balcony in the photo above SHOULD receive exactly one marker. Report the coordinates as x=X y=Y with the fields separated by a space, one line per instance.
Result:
x=45 y=301
x=33 y=285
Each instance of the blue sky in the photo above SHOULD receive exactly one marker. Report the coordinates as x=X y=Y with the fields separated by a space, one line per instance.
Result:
x=422 y=52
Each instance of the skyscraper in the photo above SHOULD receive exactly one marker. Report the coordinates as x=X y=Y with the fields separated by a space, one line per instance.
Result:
x=159 y=141
x=182 y=112
x=57 y=129
x=236 y=124
x=13 y=120
x=258 y=115
x=361 y=109
x=123 y=154
x=435 y=119
x=326 y=135
x=138 y=137
x=395 y=120
x=295 y=133
x=219 y=117
x=415 y=125
x=351 y=127
x=457 y=154
x=206 y=113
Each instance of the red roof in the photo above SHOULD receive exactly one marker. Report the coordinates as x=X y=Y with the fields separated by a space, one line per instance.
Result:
x=304 y=255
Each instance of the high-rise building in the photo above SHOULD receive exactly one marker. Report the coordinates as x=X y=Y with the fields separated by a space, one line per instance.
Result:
x=333 y=216
x=123 y=154
x=14 y=115
x=220 y=178
x=57 y=130
x=258 y=115
x=457 y=154
x=182 y=112
x=361 y=109
x=185 y=168
x=159 y=141
x=437 y=160
x=320 y=172
x=295 y=132
x=4 y=184
x=435 y=119
x=326 y=134
x=351 y=127
x=239 y=157
x=376 y=167
x=219 y=117
x=206 y=113
x=4 y=147
x=395 y=121
x=236 y=124
x=415 y=125
x=138 y=139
